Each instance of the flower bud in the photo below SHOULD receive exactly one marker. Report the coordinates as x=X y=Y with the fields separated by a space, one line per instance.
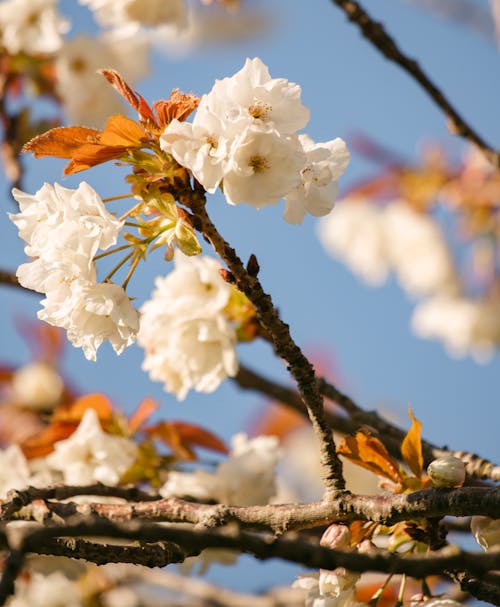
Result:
x=337 y=537
x=447 y=471
x=37 y=386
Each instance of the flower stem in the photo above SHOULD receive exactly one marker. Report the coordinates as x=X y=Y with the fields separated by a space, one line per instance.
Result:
x=133 y=267
x=101 y=255
x=121 y=197
x=118 y=266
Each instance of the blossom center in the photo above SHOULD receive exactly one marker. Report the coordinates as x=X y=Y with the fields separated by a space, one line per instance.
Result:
x=258 y=163
x=260 y=111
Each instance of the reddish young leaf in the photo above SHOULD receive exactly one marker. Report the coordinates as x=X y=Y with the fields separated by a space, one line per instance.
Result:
x=132 y=97
x=411 y=447
x=170 y=436
x=179 y=106
x=143 y=412
x=367 y=451
x=195 y=435
x=61 y=142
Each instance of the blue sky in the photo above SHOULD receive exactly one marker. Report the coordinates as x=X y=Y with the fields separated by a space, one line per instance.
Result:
x=349 y=88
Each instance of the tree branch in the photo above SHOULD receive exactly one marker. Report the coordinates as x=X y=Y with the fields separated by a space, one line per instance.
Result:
x=376 y=34
x=298 y=365
x=279 y=518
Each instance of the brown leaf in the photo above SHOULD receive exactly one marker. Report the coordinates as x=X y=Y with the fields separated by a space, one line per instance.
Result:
x=143 y=412
x=181 y=437
x=367 y=451
x=61 y=142
x=411 y=447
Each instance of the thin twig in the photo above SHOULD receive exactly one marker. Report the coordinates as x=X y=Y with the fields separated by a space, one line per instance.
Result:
x=377 y=35
x=285 y=347
x=391 y=435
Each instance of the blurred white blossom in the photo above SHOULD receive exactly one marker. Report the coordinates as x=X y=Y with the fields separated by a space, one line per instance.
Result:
x=14 y=470
x=86 y=97
x=355 y=232
x=37 y=386
x=124 y=13
x=52 y=590
x=246 y=478
x=188 y=341
x=91 y=455
x=31 y=26
x=418 y=251
x=465 y=326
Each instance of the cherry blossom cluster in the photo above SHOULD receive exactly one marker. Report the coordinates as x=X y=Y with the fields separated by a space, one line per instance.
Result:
x=188 y=340
x=244 y=139
x=64 y=229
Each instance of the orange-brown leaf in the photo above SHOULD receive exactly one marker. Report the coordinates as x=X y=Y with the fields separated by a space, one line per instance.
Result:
x=61 y=142
x=411 y=447
x=121 y=131
x=42 y=443
x=195 y=435
x=143 y=412
x=367 y=451
x=91 y=155
x=76 y=410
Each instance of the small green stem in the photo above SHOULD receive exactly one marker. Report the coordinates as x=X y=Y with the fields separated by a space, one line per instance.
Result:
x=121 y=197
x=118 y=266
x=373 y=602
x=101 y=255
x=134 y=265
x=401 y=593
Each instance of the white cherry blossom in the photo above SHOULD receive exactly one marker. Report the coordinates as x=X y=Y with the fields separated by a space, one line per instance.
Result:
x=43 y=220
x=199 y=146
x=188 y=341
x=91 y=455
x=251 y=96
x=31 y=26
x=318 y=189
x=191 y=354
x=93 y=313
x=263 y=167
